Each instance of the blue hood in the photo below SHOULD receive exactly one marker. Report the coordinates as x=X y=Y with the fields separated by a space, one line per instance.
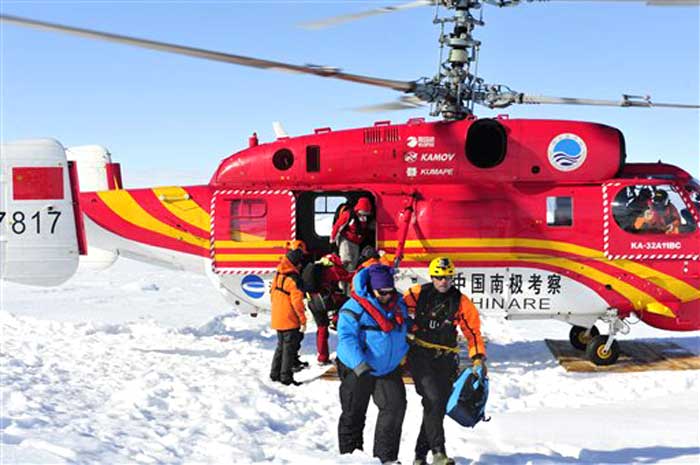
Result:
x=361 y=286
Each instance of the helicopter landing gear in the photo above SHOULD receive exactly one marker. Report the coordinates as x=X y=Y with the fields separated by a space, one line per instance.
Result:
x=579 y=336
x=597 y=352
x=605 y=350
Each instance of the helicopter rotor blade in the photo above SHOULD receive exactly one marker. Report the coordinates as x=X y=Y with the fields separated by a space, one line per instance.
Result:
x=647 y=2
x=673 y=2
x=504 y=99
x=341 y=19
x=506 y=3
x=407 y=102
x=321 y=71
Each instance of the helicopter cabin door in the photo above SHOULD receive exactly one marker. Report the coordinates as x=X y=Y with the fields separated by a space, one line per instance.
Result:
x=649 y=219
x=250 y=229
x=316 y=212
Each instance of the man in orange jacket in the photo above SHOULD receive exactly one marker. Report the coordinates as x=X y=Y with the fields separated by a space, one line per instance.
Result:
x=437 y=309
x=288 y=316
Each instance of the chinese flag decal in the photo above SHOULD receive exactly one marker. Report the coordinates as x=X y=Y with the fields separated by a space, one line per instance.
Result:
x=34 y=183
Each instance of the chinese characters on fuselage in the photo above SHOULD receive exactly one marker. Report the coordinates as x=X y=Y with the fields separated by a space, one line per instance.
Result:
x=510 y=291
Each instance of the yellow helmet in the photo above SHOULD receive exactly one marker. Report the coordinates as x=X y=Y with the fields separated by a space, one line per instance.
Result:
x=441 y=266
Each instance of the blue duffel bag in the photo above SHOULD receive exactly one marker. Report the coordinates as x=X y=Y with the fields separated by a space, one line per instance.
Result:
x=467 y=403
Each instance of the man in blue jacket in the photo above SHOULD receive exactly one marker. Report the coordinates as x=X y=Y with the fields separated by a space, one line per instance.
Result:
x=371 y=344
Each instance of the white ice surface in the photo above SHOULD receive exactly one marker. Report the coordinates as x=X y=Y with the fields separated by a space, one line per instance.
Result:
x=149 y=366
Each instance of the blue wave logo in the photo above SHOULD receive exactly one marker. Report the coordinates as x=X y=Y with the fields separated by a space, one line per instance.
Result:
x=567 y=152
x=253 y=286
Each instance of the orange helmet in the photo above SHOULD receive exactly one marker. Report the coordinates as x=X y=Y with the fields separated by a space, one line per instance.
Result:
x=297 y=244
x=363 y=206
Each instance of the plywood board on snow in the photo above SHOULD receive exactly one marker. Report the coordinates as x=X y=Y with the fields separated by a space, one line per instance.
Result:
x=634 y=356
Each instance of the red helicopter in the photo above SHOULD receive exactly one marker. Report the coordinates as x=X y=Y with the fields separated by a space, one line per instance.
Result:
x=543 y=218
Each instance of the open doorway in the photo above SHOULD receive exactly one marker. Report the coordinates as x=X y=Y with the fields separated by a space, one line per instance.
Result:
x=315 y=215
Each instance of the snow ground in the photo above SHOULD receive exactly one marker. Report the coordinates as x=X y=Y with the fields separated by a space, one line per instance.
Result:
x=149 y=366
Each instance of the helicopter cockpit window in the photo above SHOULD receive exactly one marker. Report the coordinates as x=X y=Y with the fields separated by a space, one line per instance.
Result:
x=324 y=209
x=248 y=220
x=560 y=211
x=649 y=209
x=693 y=190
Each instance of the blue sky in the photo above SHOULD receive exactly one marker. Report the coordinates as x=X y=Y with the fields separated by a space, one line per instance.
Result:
x=171 y=119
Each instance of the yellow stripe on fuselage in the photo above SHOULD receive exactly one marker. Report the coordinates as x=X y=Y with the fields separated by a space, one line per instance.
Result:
x=123 y=204
x=680 y=289
x=243 y=257
x=249 y=245
x=178 y=202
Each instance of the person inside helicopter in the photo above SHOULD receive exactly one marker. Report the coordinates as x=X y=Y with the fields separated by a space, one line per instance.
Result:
x=660 y=217
x=351 y=230
x=636 y=208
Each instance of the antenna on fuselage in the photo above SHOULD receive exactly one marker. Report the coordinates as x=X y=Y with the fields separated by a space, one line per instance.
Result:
x=280 y=133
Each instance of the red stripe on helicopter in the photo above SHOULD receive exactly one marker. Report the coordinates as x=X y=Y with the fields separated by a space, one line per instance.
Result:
x=101 y=214
x=201 y=195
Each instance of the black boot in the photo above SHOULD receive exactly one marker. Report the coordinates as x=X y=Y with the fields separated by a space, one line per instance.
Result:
x=290 y=382
x=299 y=365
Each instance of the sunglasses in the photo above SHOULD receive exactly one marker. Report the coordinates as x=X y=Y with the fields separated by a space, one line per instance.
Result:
x=384 y=293
x=441 y=278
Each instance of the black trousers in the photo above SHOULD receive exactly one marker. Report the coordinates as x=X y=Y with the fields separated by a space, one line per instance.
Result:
x=286 y=354
x=389 y=395
x=433 y=376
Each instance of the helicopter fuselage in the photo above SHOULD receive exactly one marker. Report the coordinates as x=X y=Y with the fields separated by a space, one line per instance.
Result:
x=537 y=215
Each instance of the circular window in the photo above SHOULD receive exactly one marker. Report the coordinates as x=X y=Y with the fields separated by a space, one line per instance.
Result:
x=283 y=159
x=486 y=143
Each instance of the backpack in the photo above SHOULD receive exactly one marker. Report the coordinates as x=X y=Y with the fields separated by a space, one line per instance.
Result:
x=312 y=277
x=467 y=403
x=340 y=209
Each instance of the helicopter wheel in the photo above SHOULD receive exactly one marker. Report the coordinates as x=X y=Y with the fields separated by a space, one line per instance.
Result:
x=596 y=353
x=578 y=337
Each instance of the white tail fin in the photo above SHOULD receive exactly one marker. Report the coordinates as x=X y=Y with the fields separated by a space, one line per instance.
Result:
x=41 y=233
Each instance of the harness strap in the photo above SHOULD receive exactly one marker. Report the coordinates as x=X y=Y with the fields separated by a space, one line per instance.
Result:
x=429 y=345
x=280 y=286
x=384 y=323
